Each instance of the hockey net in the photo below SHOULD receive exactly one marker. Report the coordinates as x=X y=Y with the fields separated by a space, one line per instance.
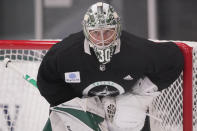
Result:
x=22 y=108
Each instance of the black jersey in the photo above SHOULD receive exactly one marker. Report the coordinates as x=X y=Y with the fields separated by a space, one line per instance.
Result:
x=67 y=71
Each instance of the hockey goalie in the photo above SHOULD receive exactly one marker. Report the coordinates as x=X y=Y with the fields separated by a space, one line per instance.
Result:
x=103 y=78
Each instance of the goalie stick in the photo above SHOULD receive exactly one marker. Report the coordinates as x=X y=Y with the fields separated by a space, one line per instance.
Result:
x=8 y=64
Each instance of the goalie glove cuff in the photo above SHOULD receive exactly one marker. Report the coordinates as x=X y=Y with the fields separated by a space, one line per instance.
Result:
x=144 y=86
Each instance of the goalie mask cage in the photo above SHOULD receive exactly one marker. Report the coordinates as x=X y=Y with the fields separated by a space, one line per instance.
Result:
x=22 y=108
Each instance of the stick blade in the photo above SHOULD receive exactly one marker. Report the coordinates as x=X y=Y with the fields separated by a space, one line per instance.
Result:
x=6 y=61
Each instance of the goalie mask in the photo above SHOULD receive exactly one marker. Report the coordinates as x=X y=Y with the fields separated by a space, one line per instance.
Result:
x=101 y=26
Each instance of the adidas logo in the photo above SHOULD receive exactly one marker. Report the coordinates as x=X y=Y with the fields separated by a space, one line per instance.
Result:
x=128 y=77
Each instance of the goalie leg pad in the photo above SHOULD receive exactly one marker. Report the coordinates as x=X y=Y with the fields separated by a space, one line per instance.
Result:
x=131 y=111
x=85 y=114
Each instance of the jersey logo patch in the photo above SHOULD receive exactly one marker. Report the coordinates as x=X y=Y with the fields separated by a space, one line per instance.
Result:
x=72 y=77
x=128 y=78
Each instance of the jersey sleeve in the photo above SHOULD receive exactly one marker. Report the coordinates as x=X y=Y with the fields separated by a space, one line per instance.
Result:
x=164 y=64
x=50 y=83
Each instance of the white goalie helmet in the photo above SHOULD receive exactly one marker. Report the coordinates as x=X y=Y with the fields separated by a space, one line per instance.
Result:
x=101 y=26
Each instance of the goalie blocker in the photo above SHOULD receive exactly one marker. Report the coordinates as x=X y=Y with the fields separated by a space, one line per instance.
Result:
x=126 y=112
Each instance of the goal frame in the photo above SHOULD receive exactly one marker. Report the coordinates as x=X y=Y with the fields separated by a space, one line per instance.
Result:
x=187 y=87
x=187 y=72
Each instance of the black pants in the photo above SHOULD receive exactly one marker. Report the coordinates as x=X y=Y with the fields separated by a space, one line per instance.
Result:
x=146 y=124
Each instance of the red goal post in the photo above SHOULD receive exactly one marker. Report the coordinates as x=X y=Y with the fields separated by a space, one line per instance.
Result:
x=27 y=44
x=25 y=52
x=187 y=85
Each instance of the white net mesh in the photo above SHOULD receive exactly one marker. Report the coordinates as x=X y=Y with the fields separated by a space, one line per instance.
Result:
x=169 y=104
x=23 y=109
